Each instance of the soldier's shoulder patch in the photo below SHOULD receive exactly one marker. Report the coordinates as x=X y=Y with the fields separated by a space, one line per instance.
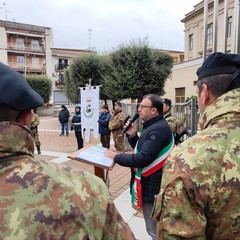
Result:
x=152 y=137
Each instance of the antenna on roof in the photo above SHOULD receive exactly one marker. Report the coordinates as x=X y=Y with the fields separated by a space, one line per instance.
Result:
x=6 y=11
x=89 y=38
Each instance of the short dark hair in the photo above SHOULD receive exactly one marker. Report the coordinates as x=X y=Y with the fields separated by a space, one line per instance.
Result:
x=8 y=114
x=118 y=103
x=219 y=84
x=105 y=106
x=156 y=101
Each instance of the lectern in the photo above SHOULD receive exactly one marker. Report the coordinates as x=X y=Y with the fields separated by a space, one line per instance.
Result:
x=94 y=155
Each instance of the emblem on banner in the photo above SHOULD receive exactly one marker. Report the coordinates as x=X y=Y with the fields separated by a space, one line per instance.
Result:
x=89 y=110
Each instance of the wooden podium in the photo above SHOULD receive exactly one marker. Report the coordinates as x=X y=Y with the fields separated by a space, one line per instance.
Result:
x=94 y=155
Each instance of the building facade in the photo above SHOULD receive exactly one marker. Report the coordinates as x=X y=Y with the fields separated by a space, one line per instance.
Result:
x=61 y=59
x=26 y=48
x=29 y=50
x=212 y=26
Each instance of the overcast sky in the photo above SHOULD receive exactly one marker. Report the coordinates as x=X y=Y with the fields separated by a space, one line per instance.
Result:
x=112 y=21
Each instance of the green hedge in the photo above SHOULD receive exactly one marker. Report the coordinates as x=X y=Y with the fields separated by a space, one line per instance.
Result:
x=42 y=84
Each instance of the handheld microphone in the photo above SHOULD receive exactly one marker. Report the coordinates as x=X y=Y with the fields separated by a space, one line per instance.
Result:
x=126 y=119
x=135 y=117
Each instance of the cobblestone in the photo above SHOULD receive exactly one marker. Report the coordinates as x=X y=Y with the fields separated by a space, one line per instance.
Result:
x=49 y=130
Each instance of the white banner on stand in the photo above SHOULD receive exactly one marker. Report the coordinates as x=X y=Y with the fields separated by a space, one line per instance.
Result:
x=89 y=111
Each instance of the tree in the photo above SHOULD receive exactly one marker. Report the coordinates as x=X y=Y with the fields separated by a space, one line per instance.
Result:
x=72 y=91
x=83 y=68
x=42 y=84
x=136 y=71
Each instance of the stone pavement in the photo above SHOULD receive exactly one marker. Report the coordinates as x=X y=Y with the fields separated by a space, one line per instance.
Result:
x=56 y=148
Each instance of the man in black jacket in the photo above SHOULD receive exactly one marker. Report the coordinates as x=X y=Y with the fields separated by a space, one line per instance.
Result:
x=150 y=152
x=63 y=119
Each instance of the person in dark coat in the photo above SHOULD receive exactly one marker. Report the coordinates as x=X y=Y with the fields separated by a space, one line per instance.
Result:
x=76 y=126
x=151 y=150
x=63 y=119
x=104 y=130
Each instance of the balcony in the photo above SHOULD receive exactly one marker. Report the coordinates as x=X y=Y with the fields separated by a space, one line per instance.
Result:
x=60 y=67
x=59 y=84
x=26 y=48
x=29 y=68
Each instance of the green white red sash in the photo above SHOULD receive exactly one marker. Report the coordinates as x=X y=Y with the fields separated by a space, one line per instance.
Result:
x=136 y=198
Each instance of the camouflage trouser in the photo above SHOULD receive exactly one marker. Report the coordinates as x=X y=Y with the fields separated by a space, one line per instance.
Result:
x=118 y=140
x=36 y=136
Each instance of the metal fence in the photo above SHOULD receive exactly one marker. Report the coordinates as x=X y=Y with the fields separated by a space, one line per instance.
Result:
x=186 y=114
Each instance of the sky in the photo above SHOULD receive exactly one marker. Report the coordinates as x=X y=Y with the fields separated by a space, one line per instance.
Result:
x=103 y=25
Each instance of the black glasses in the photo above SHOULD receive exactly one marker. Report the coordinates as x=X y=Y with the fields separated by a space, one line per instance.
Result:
x=142 y=106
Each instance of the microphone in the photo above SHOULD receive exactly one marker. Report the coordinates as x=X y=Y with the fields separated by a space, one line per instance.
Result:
x=126 y=119
x=135 y=117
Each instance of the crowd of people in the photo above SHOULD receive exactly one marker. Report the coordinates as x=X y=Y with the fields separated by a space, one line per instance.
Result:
x=189 y=191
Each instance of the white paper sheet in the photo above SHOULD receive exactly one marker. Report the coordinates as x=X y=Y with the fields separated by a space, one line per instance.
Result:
x=95 y=154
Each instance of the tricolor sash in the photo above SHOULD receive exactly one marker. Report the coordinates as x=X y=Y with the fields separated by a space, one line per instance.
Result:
x=146 y=171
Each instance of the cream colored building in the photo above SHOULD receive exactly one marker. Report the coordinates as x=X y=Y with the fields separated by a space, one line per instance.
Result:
x=60 y=60
x=218 y=31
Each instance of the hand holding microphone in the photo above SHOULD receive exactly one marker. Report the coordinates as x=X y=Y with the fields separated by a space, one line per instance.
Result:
x=135 y=117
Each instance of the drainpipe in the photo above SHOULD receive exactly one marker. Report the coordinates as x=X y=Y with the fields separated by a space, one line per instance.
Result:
x=215 y=25
x=237 y=27
x=225 y=26
x=205 y=19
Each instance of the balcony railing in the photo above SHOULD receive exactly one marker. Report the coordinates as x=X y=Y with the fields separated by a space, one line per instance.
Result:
x=59 y=83
x=28 y=67
x=28 y=48
x=61 y=67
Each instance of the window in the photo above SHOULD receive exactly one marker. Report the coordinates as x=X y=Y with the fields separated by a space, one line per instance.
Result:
x=35 y=45
x=61 y=77
x=62 y=63
x=210 y=35
x=229 y=30
x=190 y=42
x=20 y=62
x=175 y=59
x=180 y=95
x=35 y=62
x=20 y=43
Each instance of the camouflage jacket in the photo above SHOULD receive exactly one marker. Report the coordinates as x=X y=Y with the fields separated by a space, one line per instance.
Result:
x=41 y=200
x=35 y=121
x=200 y=192
x=116 y=121
x=172 y=121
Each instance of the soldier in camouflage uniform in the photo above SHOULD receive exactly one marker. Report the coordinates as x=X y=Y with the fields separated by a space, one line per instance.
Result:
x=171 y=120
x=200 y=191
x=116 y=126
x=34 y=128
x=41 y=200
